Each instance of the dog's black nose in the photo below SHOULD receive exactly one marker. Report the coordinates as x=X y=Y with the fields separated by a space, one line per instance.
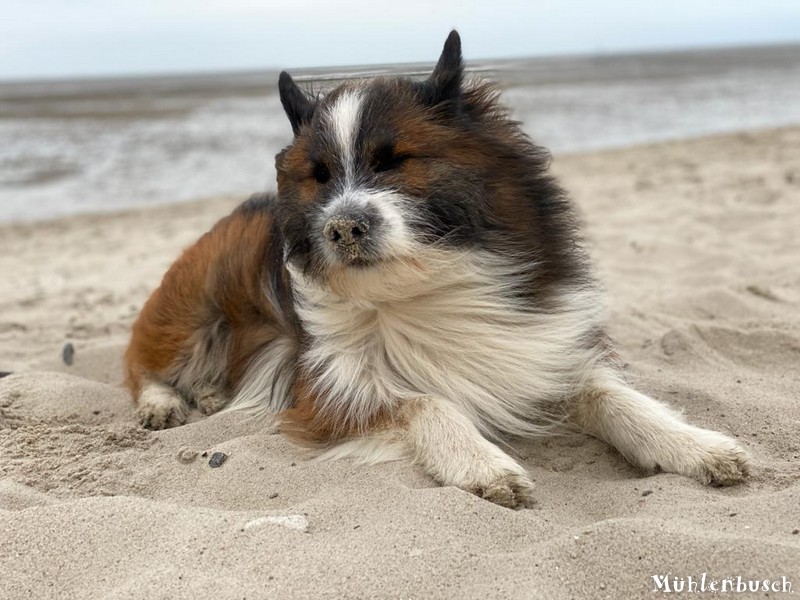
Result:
x=353 y=232
x=347 y=230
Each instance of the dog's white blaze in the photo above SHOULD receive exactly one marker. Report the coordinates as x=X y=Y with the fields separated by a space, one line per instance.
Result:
x=344 y=119
x=439 y=326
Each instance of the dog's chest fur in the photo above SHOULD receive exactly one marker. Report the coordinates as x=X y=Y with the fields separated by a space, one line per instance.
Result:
x=461 y=336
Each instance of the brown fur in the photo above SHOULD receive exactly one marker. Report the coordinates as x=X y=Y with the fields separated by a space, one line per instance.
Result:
x=307 y=426
x=170 y=316
x=216 y=289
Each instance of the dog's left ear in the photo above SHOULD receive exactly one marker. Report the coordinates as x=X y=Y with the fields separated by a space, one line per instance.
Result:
x=299 y=108
x=444 y=84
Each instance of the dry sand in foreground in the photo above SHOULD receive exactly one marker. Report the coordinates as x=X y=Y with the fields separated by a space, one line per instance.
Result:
x=697 y=243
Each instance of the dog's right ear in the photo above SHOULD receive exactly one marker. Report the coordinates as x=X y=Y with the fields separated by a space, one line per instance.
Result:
x=445 y=81
x=298 y=106
x=443 y=87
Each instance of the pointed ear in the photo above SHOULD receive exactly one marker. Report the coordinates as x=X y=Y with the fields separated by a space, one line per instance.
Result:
x=444 y=84
x=299 y=108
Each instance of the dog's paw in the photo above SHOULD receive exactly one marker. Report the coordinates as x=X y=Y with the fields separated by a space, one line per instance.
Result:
x=210 y=403
x=709 y=457
x=500 y=479
x=720 y=461
x=162 y=416
x=512 y=490
x=160 y=408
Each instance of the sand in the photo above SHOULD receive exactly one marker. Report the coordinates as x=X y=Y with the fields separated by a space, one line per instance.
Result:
x=697 y=244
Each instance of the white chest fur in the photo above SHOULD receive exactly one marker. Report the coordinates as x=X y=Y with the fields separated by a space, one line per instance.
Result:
x=446 y=328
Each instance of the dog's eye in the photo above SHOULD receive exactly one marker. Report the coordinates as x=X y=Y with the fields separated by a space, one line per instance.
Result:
x=386 y=159
x=321 y=173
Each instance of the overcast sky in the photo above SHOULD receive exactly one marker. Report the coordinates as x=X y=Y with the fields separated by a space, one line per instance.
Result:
x=62 y=38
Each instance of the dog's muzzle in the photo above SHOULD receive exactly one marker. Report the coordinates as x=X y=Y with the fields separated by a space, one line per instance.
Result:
x=352 y=233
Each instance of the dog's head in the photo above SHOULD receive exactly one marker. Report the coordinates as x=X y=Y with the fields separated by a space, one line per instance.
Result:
x=391 y=169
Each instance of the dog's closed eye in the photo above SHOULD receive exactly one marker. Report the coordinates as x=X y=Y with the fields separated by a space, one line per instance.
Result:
x=321 y=173
x=386 y=159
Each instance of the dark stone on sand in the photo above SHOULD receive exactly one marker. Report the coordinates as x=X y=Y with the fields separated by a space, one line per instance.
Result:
x=647 y=492
x=217 y=459
x=68 y=354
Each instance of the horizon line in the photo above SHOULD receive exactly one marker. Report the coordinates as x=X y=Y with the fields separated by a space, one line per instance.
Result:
x=308 y=70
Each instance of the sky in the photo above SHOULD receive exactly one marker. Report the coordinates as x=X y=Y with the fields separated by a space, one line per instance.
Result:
x=69 y=38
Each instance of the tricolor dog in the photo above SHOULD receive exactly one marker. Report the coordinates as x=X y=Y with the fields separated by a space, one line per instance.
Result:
x=417 y=288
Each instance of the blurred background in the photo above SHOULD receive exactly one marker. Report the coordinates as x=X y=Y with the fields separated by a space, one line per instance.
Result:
x=107 y=105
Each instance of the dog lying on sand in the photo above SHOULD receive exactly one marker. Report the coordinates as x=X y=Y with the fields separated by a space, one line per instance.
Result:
x=417 y=288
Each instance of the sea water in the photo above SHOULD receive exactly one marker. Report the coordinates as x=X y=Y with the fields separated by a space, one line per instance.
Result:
x=103 y=145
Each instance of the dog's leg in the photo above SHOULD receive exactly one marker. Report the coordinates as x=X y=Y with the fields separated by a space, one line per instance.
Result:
x=651 y=435
x=160 y=406
x=452 y=450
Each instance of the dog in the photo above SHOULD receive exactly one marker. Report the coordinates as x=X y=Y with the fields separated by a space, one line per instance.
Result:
x=417 y=289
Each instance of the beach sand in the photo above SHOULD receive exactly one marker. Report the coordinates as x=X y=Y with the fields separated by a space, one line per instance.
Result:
x=698 y=245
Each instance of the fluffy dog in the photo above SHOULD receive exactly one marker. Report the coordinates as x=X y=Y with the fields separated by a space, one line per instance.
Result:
x=417 y=288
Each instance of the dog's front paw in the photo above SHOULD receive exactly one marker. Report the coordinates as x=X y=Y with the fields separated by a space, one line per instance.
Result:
x=719 y=460
x=452 y=450
x=498 y=478
x=512 y=490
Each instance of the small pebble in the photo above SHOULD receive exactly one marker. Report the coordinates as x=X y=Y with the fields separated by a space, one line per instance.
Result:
x=217 y=459
x=68 y=354
x=296 y=522
x=647 y=492
x=186 y=455
x=795 y=531
x=273 y=495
